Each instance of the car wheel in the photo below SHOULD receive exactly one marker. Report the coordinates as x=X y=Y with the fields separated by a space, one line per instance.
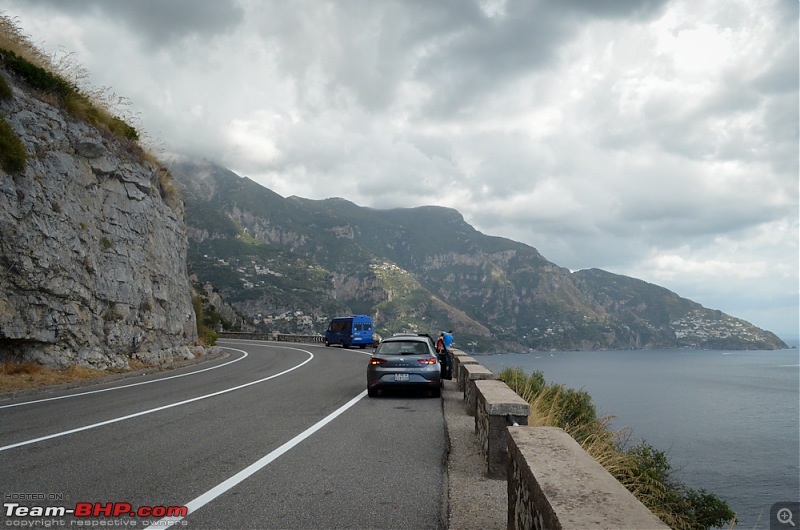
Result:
x=436 y=392
x=372 y=392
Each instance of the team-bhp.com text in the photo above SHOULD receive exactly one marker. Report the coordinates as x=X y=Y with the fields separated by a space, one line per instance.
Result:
x=89 y=514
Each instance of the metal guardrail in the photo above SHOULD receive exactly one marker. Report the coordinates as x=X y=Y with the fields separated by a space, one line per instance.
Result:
x=280 y=337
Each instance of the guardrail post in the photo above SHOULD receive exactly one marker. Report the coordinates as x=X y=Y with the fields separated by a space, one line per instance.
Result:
x=463 y=360
x=471 y=373
x=495 y=403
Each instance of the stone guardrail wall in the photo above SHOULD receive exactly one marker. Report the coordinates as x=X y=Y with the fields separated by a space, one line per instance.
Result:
x=497 y=406
x=470 y=373
x=552 y=481
x=463 y=362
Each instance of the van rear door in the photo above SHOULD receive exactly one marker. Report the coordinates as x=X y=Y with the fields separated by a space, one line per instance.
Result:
x=362 y=332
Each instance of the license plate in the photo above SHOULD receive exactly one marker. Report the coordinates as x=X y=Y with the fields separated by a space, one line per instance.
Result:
x=401 y=377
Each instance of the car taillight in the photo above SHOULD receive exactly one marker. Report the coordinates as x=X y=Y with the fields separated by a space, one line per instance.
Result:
x=432 y=360
x=377 y=361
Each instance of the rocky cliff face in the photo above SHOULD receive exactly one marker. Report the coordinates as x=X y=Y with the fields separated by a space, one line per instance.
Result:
x=92 y=258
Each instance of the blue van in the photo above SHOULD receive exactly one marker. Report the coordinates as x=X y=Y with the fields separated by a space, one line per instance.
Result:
x=356 y=330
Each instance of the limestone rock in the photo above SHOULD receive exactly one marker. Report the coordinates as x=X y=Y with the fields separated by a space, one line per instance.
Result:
x=92 y=259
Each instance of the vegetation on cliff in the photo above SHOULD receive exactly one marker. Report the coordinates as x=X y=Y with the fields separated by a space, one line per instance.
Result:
x=206 y=318
x=642 y=469
x=63 y=82
x=51 y=78
x=12 y=153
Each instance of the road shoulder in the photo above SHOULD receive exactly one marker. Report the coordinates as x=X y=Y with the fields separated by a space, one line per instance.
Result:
x=475 y=501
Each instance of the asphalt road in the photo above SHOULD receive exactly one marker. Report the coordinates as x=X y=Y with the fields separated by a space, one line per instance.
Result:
x=273 y=435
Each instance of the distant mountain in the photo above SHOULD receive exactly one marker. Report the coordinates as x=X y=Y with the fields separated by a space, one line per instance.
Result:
x=290 y=264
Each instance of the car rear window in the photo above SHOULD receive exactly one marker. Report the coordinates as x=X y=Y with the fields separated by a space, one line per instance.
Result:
x=402 y=348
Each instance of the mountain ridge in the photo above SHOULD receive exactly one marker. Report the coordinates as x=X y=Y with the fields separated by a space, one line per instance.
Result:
x=423 y=269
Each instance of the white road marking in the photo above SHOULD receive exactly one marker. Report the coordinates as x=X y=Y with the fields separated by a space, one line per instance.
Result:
x=157 y=409
x=128 y=385
x=222 y=487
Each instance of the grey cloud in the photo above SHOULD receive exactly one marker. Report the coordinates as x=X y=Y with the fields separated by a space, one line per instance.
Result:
x=478 y=53
x=483 y=54
x=781 y=133
x=355 y=52
x=781 y=74
x=774 y=66
x=367 y=49
x=639 y=9
x=160 y=21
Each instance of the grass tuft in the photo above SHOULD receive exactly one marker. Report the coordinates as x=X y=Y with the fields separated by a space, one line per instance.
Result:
x=5 y=90
x=18 y=376
x=13 y=156
x=20 y=368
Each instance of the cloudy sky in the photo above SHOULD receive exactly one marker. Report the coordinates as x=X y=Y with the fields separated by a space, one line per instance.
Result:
x=651 y=138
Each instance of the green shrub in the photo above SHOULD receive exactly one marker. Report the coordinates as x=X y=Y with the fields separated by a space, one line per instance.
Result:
x=706 y=510
x=120 y=128
x=205 y=334
x=5 y=90
x=13 y=156
x=685 y=507
x=526 y=386
x=36 y=76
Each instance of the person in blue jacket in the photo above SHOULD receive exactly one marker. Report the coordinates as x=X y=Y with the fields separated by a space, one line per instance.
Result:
x=445 y=340
x=448 y=340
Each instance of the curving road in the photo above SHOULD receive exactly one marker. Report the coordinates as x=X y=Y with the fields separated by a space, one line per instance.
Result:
x=274 y=435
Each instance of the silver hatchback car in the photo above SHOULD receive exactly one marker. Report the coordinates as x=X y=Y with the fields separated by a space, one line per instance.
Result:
x=405 y=361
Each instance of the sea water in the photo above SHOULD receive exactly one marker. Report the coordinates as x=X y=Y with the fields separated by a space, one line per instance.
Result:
x=728 y=420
